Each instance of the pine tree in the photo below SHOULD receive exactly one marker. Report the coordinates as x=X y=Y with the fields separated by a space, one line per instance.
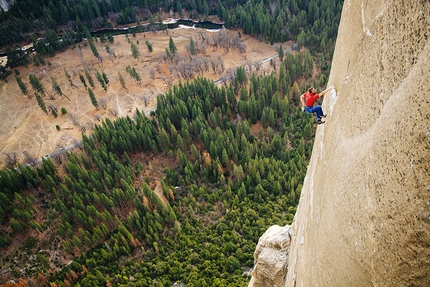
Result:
x=172 y=46
x=134 y=50
x=193 y=48
x=149 y=45
x=40 y=102
x=105 y=78
x=69 y=78
x=21 y=85
x=93 y=98
x=101 y=80
x=56 y=87
x=281 y=53
x=89 y=77
x=36 y=84
x=121 y=80
x=82 y=78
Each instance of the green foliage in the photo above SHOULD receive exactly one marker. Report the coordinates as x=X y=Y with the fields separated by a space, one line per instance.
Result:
x=133 y=73
x=134 y=50
x=101 y=79
x=41 y=102
x=121 y=80
x=21 y=85
x=16 y=57
x=193 y=48
x=149 y=45
x=172 y=46
x=93 y=98
x=36 y=84
x=69 y=78
x=63 y=111
x=88 y=77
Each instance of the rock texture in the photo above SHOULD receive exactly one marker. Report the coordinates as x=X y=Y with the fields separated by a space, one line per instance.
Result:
x=271 y=257
x=364 y=212
x=5 y=4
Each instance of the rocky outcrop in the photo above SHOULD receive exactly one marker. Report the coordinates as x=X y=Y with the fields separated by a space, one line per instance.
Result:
x=271 y=257
x=364 y=212
x=5 y=4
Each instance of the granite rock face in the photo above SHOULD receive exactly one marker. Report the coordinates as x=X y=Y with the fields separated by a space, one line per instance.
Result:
x=271 y=257
x=5 y=4
x=364 y=212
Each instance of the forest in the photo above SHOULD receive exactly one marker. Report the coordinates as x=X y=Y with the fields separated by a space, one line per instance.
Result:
x=179 y=196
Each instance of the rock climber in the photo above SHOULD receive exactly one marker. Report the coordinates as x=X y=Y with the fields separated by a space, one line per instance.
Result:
x=308 y=100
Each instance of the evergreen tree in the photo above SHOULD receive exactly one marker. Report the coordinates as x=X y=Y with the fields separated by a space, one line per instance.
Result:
x=36 y=84
x=41 y=102
x=193 y=48
x=82 y=78
x=21 y=85
x=69 y=78
x=149 y=45
x=89 y=77
x=93 y=98
x=105 y=78
x=172 y=46
x=56 y=87
x=121 y=80
x=134 y=50
x=281 y=53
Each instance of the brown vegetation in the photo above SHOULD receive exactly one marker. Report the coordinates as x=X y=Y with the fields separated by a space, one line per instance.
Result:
x=28 y=133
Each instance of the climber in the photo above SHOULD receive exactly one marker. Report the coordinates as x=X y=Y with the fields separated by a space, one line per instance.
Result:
x=309 y=98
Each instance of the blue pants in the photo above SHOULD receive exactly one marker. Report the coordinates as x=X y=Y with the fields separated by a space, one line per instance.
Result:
x=317 y=110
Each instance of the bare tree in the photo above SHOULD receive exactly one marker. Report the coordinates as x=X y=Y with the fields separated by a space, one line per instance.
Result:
x=274 y=65
x=58 y=156
x=11 y=158
x=74 y=119
x=242 y=48
x=214 y=65
x=78 y=143
x=90 y=125
x=114 y=112
x=221 y=62
x=163 y=78
x=52 y=107
x=96 y=117
x=169 y=81
x=29 y=158
x=82 y=128
x=185 y=70
x=51 y=96
x=144 y=98
x=231 y=74
x=79 y=52
x=257 y=66
x=152 y=73
x=103 y=103
x=249 y=65
x=235 y=41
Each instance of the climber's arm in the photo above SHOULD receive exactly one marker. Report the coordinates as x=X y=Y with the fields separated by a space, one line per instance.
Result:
x=325 y=91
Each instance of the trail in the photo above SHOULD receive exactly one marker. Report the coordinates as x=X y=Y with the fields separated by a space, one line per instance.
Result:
x=221 y=80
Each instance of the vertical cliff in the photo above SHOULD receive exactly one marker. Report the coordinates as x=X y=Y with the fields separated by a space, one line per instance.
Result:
x=364 y=212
